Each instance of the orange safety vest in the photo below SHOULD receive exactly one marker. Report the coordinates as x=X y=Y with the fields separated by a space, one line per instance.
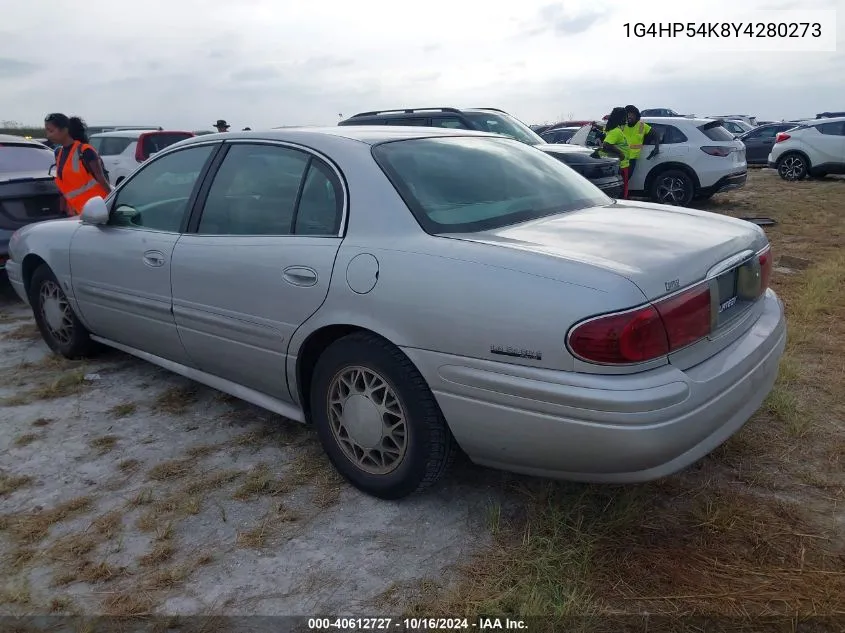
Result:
x=76 y=183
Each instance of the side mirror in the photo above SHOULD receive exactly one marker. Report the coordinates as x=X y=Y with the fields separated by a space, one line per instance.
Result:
x=95 y=211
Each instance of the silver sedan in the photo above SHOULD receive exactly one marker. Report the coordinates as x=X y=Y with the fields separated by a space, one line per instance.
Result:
x=413 y=291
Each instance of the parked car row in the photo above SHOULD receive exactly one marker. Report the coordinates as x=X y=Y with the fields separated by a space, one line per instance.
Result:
x=412 y=291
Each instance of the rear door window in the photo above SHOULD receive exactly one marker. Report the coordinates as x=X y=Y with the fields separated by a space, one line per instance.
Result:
x=448 y=122
x=669 y=134
x=832 y=129
x=113 y=145
x=158 y=141
x=412 y=122
x=20 y=158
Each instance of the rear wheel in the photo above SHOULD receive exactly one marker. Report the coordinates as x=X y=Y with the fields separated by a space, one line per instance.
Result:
x=60 y=328
x=672 y=186
x=793 y=167
x=377 y=418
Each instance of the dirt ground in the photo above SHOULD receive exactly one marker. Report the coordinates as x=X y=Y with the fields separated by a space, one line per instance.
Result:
x=127 y=490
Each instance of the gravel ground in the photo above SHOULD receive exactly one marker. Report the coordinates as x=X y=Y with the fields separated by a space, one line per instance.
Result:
x=126 y=489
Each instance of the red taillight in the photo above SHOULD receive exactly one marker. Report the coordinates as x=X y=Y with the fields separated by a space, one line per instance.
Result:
x=686 y=316
x=781 y=136
x=717 y=150
x=139 y=149
x=766 y=264
x=647 y=333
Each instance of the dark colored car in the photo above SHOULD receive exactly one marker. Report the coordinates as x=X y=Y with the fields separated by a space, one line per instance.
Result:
x=559 y=134
x=28 y=192
x=602 y=172
x=498 y=122
x=660 y=112
x=759 y=141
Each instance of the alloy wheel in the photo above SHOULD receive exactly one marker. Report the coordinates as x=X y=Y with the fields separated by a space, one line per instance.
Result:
x=792 y=167
x=671 y=190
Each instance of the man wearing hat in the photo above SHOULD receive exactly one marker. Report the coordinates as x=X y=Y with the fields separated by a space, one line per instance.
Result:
x=222 y=126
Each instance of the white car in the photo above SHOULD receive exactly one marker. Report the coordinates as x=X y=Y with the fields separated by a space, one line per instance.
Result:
x=814 y=148
x=123 y=150
x=698 y=158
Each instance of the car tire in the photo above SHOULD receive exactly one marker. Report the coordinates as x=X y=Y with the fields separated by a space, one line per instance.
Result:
x=672 y=186
x=362 y=383
x=793 y=167
x=60 y=328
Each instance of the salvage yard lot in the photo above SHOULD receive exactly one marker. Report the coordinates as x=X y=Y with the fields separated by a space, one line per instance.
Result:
x=128 y=490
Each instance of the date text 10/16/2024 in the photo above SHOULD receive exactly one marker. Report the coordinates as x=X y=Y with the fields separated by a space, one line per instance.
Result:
x=416 y=624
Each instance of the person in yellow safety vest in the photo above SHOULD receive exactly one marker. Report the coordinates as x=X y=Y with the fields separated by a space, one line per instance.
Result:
x=614 y=143
x=638 y=133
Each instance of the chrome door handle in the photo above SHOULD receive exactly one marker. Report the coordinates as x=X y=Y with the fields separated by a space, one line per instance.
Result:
x=300 y=275
x=154 y=258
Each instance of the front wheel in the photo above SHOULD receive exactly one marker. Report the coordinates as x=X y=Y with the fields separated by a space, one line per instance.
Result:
x=59 y=326
x=793 y=167
x=377 y=418
x=673 y=187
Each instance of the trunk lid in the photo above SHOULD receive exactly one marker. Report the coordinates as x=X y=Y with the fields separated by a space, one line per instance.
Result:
x=659 y=248
x=27 y=197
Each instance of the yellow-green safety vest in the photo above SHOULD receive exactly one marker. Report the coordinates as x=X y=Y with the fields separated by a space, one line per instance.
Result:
x=635 y=135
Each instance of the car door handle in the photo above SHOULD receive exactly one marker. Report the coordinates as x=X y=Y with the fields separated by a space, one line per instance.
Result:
x=300 y=275
x=154 y=258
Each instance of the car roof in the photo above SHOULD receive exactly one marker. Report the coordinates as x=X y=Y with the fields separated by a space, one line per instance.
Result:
x=834 y=119
x=126 y=133
x=368 y=134
x=20 y=140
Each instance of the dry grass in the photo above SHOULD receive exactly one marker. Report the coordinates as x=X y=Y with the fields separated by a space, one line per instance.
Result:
x=176 y=400
x=104 y=444
x=41 y=422
x=171 y=469
x=259 y=481
x=161 y=553
x=109 y=524
x=271 y=525
x=27 y=438
x=30 y=527
x=129 y=465
x=123 y=410
x=13 y=483
x=61 y=604
x=131 y=603
x=210 y=481
x=67 y=384
x=204 y=450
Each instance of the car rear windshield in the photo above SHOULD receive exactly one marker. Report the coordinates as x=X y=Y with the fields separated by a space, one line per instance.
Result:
x=505 y=125
x=469 y=184
x=158 y=141
x=20 y=158
x=715 y=132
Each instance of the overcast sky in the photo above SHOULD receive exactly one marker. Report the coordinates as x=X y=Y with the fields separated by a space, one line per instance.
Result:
x=263 y=63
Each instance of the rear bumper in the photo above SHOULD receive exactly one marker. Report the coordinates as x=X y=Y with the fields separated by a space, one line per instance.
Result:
x=611 y=185
x=726 y=183
x=605 y=428
x=13 y=272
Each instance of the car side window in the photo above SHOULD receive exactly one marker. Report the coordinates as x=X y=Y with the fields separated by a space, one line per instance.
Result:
x=156 y=197
x=766 y=132
x=402 y=121
x=321 y=203
x=255 y=191
x=114 y=145
x=668 y=134
x=449 y=122
x=832 y=129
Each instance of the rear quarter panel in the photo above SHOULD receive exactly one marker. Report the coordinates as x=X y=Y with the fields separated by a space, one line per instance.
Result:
x=451 y=296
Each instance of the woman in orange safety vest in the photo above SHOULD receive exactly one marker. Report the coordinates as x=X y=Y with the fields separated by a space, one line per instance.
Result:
x=79 y=171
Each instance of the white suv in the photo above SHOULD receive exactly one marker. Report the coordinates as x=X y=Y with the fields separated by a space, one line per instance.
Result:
x=698 y=158
x=122 y=151
x=814 y=148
